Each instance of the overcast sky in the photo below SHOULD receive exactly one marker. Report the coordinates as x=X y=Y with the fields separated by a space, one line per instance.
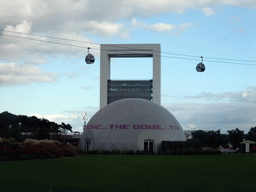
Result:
x=47 y=77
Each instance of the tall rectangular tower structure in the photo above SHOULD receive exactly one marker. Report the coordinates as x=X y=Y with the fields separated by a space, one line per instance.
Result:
x=114 y=90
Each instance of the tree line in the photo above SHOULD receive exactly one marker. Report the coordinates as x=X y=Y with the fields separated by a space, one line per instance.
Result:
x=215 y=138
x=14 y=125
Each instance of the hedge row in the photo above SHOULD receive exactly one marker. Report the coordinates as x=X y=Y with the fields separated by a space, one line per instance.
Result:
x=117 y=152
x=189 y=151
x=13 y=150
x=185 y=148
x=184 y=151
x=165 y=145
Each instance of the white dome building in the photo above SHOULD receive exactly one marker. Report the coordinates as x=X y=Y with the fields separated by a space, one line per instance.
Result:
x=131 y=124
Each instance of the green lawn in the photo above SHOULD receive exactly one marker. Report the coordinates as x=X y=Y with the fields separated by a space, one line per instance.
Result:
x=225 y=172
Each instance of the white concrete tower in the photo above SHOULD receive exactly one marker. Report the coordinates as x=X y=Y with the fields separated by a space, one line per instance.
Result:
x=126 y=51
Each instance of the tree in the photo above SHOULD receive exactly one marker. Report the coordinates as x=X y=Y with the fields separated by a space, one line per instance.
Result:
x=236 y=137
x=214 y=138
x=251 y=135
x=209 y=138
x=200 y=136
x=13 y=125
x=224 y=140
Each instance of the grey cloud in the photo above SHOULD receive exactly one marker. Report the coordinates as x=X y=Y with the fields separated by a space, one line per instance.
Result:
x=75 y=117
x=234 y=19
x=37 y=48
x=78 y=19
x=240 y=30
x=71 y=75
x=16 y=74
x=247 y=96
x=164 y=95
x=172 y=29
x=87 y=88
x=214 y=116
x=90 y=110
x=53 y=16
x=225 y=111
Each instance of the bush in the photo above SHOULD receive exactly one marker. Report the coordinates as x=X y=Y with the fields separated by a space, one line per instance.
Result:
x=9 y=143
x=115 y=152
x=68 y=152
x=55 y=151
x=27 y=156
x=35 y=149
x=8 y=152
x=32 y=150
x=44 y=141
x=91 y=152
x=4 y=158
x=79 y=150
x=106 y=152
x=180 y=145
x=210 y=152
x=189 y=151
x=44 y=149
x=131 y=152
x=169 y=152
x=124 y=152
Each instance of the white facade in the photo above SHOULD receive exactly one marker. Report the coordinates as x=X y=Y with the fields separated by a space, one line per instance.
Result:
x=131 y=124
x=125 y=51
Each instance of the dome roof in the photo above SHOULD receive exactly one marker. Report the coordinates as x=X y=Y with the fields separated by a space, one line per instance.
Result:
x=126 y=123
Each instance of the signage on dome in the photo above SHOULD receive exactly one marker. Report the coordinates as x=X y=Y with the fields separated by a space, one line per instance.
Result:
x=127 y=126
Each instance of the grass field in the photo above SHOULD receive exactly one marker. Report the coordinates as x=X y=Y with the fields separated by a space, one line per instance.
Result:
x=224 y=172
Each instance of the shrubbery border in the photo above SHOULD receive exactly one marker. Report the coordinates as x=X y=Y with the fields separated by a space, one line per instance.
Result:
x=34 y=149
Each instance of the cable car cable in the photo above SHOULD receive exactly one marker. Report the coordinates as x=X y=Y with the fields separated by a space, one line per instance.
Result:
x=182 y=56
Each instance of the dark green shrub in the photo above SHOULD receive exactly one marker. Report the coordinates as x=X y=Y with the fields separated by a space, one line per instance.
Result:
x=42 y=157
x=131 y=152
x=44 y=149
x=115 y=152
x=169 y=152
x=68 y=152
x=26 y=156
x=210 y=152
x=92 y=152
x=32 y=150
x=185 y=151
x=55 y=151
x=180 y=145
x=52 y=156
x=123 y=152
x=193 y=151
x=107 y=152
x=79 y=150
x=7 y=152
x=4 y=158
